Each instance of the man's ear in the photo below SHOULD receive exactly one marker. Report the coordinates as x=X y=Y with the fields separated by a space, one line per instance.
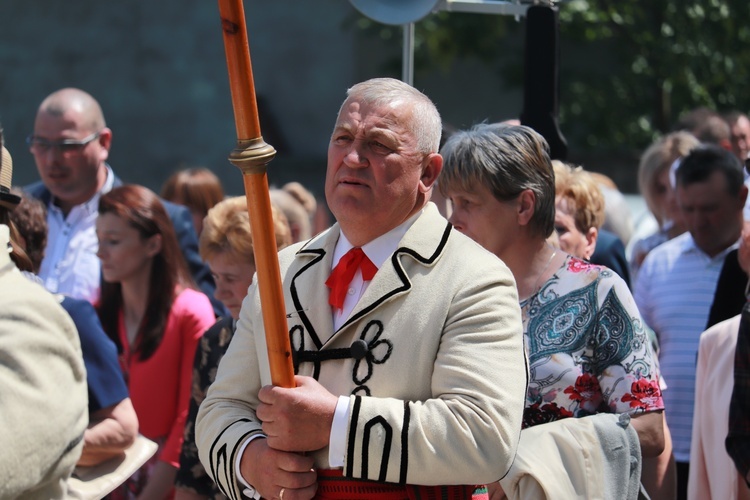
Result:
x=105 y=140
x=432 y=167
x=743 y=194
x=526 y=207
x=591 y=236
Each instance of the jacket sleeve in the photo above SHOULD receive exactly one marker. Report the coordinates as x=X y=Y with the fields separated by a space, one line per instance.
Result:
x=43 y=410
x=468 y=430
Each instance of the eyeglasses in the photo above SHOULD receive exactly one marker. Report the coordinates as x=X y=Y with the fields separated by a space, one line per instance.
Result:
x=37 y=145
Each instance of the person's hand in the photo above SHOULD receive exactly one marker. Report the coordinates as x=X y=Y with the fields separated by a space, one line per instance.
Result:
x=495 y=491
x=297 y=419
x=743 y=254
x=278 y=474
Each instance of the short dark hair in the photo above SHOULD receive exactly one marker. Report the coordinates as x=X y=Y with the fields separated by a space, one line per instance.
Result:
x=706 y=159
x=508 y=159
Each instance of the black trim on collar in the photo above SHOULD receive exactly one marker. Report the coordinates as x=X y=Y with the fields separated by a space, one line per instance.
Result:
x=295 y=296
x=402 y=274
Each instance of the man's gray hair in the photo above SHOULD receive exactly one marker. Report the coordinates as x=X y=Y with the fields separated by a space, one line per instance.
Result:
x=426 y=124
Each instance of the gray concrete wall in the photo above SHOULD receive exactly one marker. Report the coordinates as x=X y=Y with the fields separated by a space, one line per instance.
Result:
x=158 y=69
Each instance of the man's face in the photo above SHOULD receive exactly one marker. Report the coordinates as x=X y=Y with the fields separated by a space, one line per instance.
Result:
x=741 y=138
x=711 y=214
x=485 y=219
x=71 y=176
x=376 y=178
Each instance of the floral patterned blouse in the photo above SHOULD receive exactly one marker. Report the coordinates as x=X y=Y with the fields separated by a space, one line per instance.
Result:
x=588 y=348
x=213 y=345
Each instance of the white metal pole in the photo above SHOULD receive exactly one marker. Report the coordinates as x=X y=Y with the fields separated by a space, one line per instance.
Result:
x=407 y=68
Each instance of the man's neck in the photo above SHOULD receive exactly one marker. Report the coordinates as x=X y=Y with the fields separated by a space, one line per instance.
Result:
x=718 y=249
x=66 y=206
x=360 y=234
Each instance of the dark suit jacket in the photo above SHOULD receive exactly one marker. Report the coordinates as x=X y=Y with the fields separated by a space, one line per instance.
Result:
x=186 y=237
x=729 y=296
x=610 y=252
x=106 y=384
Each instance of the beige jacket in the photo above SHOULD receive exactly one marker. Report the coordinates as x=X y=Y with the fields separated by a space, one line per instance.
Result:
x=589 y=458
x=437 y=397
x=43 y=397
x=712 y=471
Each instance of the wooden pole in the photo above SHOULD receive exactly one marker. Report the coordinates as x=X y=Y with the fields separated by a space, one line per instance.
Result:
x=252 y=156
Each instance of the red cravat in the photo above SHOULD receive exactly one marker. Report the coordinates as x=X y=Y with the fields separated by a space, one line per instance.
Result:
x=344 y=272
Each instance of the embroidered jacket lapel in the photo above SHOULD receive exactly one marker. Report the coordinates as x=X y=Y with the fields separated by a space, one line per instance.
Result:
x=307 y=289
x=421 y=246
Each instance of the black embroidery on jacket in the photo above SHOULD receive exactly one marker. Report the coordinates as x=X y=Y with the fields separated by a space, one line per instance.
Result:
x=296 y=301
x=401 y=274
x=379 y=420
x=215 y=457
x=236 y=493
x=378 y=352
x=405 y=444
x=352 y=436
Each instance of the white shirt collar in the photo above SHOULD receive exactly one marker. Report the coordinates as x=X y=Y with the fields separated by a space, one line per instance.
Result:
x=379 y=249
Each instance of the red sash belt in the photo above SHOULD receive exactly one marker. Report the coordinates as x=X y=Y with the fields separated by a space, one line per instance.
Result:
x=333 y=486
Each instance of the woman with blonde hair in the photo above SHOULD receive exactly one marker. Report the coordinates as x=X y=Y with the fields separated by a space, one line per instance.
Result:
x=226 y=245
x=579 y=209
x=657 y=187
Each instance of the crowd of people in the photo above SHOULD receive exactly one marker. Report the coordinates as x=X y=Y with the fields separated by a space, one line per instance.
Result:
x=478 y=322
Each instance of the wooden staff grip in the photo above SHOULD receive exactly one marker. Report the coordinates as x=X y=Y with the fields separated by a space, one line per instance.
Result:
x=252 y=156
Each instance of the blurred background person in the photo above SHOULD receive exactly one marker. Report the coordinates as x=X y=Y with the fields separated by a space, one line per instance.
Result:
x=580 y=212
x=739 y=126
x=42 y=380
x=113 y=424
x=71 y=144
x=658 y=191
x=677 y=282
x=294 y=212
x=152 y=312
x=618 y=220
x=302 y=195
x=706 y=125
x=226 y=244
x=196 y=188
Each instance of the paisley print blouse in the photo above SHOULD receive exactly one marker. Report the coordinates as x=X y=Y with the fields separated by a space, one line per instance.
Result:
x=588 y=348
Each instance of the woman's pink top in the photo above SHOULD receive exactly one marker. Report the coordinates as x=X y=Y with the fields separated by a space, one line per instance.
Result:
x=160 y=386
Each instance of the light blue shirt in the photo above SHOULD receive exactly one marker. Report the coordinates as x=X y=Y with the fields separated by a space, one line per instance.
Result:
x=70 y=265
x=674 y=292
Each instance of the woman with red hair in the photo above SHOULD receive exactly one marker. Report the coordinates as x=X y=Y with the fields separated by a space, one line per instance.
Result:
x=151 y=310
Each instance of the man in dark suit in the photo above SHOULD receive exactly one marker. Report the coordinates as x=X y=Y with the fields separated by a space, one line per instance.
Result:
x=610 y=252
x=70 y=145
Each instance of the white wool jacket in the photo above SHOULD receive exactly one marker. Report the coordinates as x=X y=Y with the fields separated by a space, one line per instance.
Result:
x=432 y=359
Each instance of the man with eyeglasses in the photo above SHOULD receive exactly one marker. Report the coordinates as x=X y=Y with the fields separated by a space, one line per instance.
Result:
x=70 y=145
